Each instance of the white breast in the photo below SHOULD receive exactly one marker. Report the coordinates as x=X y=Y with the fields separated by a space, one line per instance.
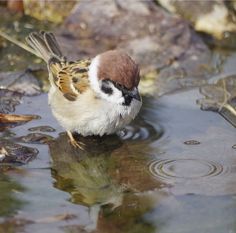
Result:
x=91 y=116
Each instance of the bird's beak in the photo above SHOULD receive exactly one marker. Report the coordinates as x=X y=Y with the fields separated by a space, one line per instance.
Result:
x=135 y=94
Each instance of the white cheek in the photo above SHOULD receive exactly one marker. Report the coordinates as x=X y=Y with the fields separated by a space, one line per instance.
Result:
x=116 y=96
x=93 y=77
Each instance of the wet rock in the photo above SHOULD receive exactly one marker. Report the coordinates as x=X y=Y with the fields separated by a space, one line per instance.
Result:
x=35 y=138
x=22 y=82
x=214 y=17
x=164 y=46
x=44 y=128
x=54 y=11
x=16 y=153
x=221 y=97
x=8 y=100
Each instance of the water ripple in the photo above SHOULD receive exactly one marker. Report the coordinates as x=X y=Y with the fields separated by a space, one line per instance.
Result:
x=185 y=169
x=141 y=131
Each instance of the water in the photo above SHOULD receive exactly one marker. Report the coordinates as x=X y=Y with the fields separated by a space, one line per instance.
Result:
x=145 y=179
x=184 y=169
x=173 y=170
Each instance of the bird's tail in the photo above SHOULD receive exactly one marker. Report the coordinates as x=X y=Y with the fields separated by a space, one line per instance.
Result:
x=41 y=44
x=45 y=45
x=18 y=43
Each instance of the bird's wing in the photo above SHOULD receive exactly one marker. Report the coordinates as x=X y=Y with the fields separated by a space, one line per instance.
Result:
x=71 y=78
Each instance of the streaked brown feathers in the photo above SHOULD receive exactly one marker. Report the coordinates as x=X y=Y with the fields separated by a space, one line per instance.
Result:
x=71 y=78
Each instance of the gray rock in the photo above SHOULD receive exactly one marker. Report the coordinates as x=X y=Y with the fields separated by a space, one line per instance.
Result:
x=35 y=138
x=8 y=100
x=16 y=153
x=220 y=97
x=22 y=82
x=162 y=44
x=214 y=17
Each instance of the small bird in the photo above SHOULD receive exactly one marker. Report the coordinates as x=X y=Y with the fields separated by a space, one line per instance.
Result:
x=90 y=97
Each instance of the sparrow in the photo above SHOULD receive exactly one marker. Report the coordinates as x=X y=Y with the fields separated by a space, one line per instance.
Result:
x=96 y=96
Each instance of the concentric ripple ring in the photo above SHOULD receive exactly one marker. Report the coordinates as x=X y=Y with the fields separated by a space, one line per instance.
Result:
x=140 y=132
x=184 y=168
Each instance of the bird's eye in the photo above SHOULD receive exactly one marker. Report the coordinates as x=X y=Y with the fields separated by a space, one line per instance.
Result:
x=118 y=86
x=106 y=88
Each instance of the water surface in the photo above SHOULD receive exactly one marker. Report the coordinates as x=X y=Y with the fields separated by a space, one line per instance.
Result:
x=169 y=170
x=172 y=170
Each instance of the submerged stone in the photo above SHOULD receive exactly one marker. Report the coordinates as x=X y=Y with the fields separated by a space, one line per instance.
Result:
x=35 y=138
x=16 y=153
x=44 y=128
x=8 y=100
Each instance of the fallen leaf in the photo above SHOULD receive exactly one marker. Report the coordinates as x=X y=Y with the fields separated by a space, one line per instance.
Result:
x=14 y=118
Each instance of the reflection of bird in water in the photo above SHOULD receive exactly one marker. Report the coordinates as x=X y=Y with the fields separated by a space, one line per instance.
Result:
x=85 y=175
x=111 y=173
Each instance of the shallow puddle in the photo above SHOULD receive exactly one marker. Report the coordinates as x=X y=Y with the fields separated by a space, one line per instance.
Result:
x=150 y=177
x=173 y=170
x=184 y=169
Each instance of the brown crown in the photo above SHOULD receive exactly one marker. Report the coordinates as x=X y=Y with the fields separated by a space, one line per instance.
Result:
x=118 y=67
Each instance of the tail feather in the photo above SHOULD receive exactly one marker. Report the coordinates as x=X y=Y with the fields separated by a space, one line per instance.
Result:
x=45 y=44
x=52 y=44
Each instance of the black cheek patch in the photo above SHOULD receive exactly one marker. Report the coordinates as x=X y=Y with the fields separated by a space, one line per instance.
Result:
x=106 y=89
x=128 y=100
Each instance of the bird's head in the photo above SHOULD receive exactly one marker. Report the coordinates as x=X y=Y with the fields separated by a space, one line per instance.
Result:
x=114 y=76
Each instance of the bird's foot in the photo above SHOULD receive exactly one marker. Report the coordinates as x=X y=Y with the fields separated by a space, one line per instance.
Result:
x=75 y=143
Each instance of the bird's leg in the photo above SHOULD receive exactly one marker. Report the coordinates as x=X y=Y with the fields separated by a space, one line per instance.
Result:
x=74 y=142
